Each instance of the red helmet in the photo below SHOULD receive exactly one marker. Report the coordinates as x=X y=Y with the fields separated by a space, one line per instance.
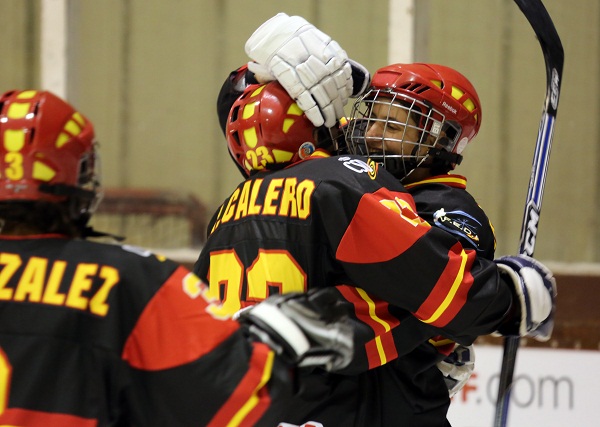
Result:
x=47 y=151
x=443 y=107
x=266 y=127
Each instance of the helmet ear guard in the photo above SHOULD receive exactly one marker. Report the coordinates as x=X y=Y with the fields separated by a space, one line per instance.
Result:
x=440 y=153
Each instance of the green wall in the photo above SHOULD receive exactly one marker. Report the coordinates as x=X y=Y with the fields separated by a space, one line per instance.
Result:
x=147 y=73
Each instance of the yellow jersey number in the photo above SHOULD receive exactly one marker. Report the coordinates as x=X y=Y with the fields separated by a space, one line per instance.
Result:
x=270 y=269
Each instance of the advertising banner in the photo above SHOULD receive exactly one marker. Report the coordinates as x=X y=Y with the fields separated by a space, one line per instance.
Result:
x=551 y=388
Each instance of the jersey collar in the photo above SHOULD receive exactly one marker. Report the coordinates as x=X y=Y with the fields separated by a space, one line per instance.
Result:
x=457 y=181
x=318 y=154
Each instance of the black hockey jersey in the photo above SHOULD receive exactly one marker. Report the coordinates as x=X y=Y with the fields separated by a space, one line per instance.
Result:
x=103 y=335
x=410 y=390
x=444 y=202
x=337 y=220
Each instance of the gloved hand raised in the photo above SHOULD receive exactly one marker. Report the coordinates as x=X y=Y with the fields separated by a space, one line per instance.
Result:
x=535 y=293
x=306 y=329
x=312 y=67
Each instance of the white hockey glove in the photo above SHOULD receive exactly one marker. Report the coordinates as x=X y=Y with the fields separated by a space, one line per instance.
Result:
x=312 y=67
x=305 y=329
x=457 y=368
x=535 y=289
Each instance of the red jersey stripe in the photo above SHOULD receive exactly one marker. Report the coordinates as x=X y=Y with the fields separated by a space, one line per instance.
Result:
x=175 y=328
x=381 y=350
x=375 y=314
x=369 y=310
x=29 y=418
x=386 y=223
x=443 y=345
x=450 y=292
x=250 y=399
x=460 y=298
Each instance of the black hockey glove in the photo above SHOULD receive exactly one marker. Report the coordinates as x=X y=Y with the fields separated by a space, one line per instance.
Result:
x=305 y=329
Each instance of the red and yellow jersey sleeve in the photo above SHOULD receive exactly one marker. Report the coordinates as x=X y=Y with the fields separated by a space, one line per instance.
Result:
x=126 y=337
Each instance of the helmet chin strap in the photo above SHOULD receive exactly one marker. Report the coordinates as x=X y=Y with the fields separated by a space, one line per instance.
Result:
x=442 y=156
x=66 y=190
x=78 y=201
x=437 y=160
x=329 y=139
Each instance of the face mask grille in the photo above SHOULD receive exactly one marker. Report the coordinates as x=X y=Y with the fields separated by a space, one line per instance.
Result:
x=395 y=130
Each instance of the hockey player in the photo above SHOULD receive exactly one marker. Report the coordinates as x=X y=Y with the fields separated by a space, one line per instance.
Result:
x=402 y=115
x=265 y=246
x=101 y=335
x=267 y=143
x=416 y=119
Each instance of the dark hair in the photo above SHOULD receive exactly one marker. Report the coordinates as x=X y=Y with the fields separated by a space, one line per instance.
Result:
x=39 y=217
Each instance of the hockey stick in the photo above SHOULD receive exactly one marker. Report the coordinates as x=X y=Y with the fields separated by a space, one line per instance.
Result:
x=542 y=25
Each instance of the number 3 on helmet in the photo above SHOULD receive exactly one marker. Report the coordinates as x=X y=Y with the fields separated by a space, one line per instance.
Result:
x=267 y=130
x=47 y=151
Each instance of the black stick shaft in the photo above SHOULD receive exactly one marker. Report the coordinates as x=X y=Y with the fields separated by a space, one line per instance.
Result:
x=542 y=25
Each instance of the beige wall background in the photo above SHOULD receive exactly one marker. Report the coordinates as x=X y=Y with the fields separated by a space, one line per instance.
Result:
x=147 y=72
